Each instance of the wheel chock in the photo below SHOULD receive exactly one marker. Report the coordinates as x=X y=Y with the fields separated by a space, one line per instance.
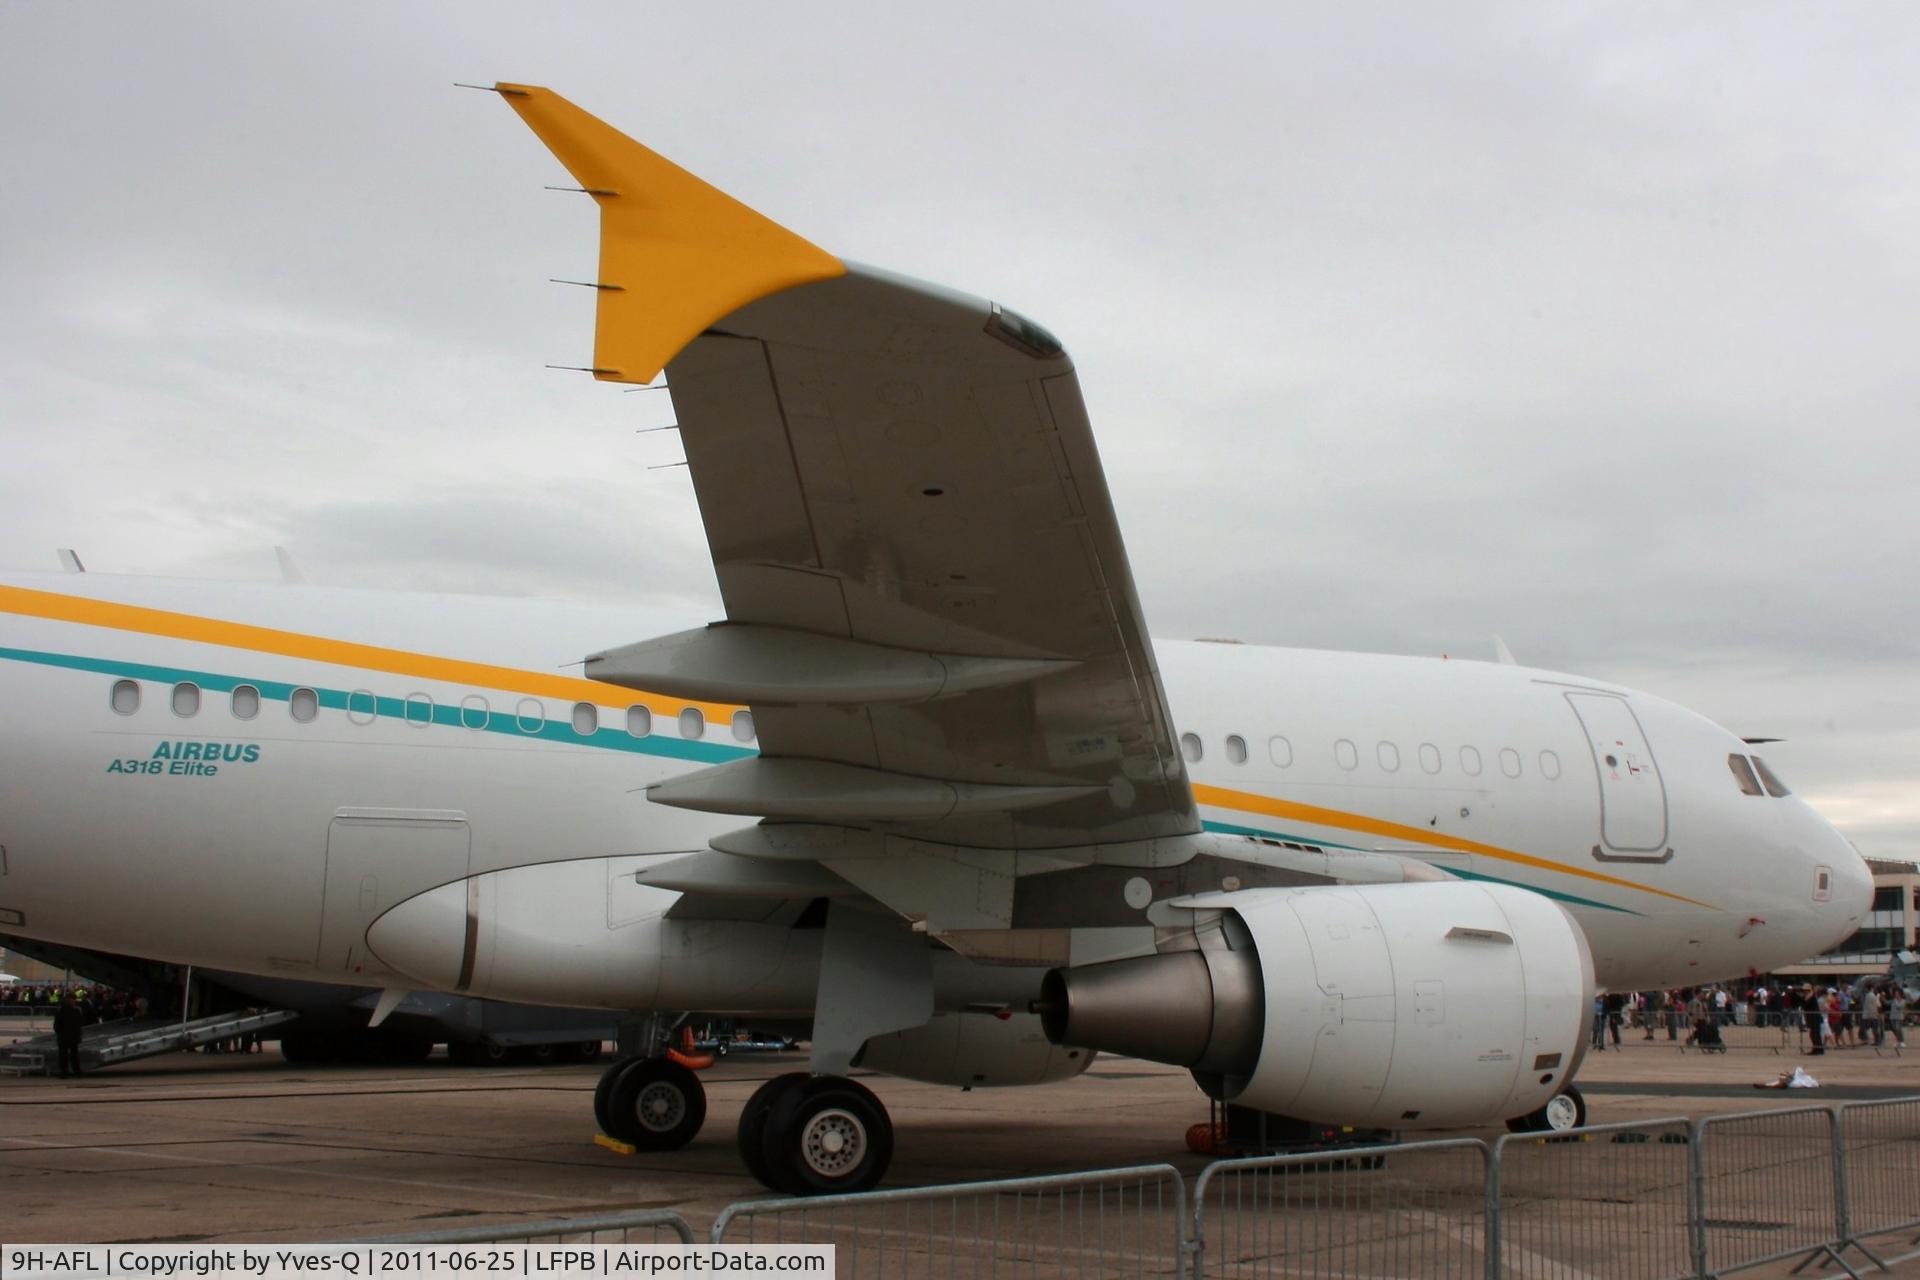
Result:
x=614 y=1144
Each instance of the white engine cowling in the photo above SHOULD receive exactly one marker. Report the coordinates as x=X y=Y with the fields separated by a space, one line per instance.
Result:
x=1405 y=1006
x=977 y=1050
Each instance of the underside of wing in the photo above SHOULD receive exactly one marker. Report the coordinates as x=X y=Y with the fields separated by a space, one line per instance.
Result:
x=928 y=603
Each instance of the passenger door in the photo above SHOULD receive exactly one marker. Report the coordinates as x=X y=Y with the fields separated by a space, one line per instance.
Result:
x=1633 y=799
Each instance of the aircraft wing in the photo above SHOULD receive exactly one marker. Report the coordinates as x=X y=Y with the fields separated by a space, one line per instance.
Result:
x=929 y=607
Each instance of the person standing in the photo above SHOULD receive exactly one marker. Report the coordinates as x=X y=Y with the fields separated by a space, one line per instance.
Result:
x=1897 y=1015
x=69 y=1020
x=1870 y=1027
x=1816 y=1019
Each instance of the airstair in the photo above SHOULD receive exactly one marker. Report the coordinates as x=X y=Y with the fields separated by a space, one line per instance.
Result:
x=107 y=1043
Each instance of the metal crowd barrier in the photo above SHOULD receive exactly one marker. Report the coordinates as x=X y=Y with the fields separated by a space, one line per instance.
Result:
x=1767 y=1188
x=1609 y=1201
x=1880 y=1174
x=1414 y=1209
x=1656 y=1200
x=1111 y=1222
x=651 y=1226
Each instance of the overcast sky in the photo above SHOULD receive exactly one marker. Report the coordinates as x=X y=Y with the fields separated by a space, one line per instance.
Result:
x=1592 y=326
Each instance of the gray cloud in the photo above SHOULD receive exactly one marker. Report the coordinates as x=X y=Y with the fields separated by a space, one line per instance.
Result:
x=1401 y=325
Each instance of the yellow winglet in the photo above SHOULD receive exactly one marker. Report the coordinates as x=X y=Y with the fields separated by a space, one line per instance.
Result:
x=675 y=253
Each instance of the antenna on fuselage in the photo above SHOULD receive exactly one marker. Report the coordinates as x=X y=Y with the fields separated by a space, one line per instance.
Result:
x=1502 y=654
x=70 y=560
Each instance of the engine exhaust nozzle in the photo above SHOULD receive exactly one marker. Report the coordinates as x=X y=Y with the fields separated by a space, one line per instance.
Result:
x=1205 y=1010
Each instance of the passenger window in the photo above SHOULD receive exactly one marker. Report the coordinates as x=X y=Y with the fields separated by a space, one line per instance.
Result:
x=1236 y=749
x=531 y=715
x=693 y=724
x=1429 y=758
x=419 y=711
x=586 y=719
x=126 y=697
x=244 y=702
x=1280 y=751
x=1769 y=779
x=1510 y=762
x=1190 y=747
x=186 y=699
x=1550 y=765
x=362 y=706
x=303 y=705
x=1346 y=753
x=1389 y=756
x=639 y=722
x=474 y=711
x=1743 y=774
x=743 y=726
x=1470 y=761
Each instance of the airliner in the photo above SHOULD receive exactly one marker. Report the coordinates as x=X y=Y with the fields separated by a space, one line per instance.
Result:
x=927 y=788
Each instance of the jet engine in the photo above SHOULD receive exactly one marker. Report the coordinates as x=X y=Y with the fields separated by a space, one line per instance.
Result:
x=975 y=1050
x=1392 y=1006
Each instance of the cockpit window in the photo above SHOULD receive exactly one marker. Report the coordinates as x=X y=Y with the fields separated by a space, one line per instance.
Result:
x=1743 y=774
x=1774 y=786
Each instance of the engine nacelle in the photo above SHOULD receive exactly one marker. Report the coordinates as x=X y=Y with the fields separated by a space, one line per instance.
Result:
x=1405 y=1006
x=976 y=1050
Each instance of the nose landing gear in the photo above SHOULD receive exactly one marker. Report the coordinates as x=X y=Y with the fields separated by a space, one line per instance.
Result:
x=815 y=1135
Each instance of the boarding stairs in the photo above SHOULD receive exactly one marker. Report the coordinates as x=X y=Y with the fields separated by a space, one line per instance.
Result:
x=107 y=1043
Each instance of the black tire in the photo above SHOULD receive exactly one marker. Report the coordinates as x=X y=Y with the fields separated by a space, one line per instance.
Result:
x=603 y=1092
x=827 y=1137
x=1565 y=1110
x=656 y=1105
x=750 y=1136
x=586 y=1051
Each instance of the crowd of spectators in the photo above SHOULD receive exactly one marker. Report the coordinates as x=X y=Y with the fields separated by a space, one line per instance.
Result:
x=100 y=1003
x=1875 y=1014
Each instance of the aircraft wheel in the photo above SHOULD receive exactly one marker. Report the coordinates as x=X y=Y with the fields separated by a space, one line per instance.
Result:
x=827 y=1136
x=1565 y=1110
x=751 y=1134
x=603 y=1092
x=656 y=1105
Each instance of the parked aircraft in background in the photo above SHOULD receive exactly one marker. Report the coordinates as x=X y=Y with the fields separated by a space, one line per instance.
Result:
x=928 y=787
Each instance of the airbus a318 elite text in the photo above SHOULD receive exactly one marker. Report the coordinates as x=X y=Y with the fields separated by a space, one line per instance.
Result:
x=927 y=790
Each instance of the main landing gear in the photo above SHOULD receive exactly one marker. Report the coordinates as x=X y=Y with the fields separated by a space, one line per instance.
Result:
x=803 y=1134
x=815 y=1135
x=651 y=1104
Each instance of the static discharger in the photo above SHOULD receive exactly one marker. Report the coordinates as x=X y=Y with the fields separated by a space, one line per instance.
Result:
x=586 y=284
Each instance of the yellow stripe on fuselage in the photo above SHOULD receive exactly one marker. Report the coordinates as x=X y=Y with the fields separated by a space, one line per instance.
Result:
x=345 y=653
x=1251 y=802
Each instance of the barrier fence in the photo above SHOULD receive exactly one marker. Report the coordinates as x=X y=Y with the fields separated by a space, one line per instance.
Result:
x=1613 y=1202
x=1880 y=1145
x=1766 y=1188
x=1112 y=1222
x=1414 y=1209
x=1657 y=1200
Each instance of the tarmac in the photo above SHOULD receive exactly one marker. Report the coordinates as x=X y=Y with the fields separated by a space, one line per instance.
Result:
x=193 y=1147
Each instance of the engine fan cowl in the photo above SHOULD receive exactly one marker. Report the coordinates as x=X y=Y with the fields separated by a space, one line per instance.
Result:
x=1398 y=1006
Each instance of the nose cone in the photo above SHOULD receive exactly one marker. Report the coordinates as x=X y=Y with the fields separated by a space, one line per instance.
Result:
x=1842 y=881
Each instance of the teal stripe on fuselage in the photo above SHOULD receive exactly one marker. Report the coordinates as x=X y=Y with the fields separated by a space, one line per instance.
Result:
x=1228 y=828
x=385 y=708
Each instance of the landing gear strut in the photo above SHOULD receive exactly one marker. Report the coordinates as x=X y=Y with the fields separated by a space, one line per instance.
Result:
x=815 y=1135
x=653 y=1104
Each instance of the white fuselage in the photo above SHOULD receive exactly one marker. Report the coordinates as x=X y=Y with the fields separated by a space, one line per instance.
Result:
x=200 y=827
